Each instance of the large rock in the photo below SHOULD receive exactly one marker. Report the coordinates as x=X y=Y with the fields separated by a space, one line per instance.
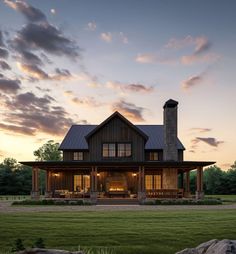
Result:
x=213 y=247
x=48 y=251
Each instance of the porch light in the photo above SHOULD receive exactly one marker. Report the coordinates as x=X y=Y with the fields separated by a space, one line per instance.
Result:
x=134 y=174
x=56 y=174
x=98 y=174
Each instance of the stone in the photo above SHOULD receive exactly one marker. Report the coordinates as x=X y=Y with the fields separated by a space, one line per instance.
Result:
x=213 y=247
x=48 y=251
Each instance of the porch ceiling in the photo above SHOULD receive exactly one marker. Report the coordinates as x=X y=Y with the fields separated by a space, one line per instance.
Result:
x=65 y=165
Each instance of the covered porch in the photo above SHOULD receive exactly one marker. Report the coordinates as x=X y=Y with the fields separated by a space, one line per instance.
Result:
x=141 y=181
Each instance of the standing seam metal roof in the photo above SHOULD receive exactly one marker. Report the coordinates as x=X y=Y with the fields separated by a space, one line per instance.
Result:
x=75 y=138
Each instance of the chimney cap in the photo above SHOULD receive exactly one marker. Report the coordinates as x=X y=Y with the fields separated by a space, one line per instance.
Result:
x=171 y=104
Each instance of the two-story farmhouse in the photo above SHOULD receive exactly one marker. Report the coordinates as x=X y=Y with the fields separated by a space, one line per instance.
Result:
x=118 y=159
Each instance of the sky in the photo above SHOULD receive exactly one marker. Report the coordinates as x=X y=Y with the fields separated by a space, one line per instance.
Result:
x=77 y=61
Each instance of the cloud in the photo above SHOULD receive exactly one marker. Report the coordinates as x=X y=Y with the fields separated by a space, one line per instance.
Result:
x=1 y=40
x=210 y=141
x=91 y=26
x=129 y=110
x=29 y=58
x=194 y=58
x=201 y=130
x=37 y=73
x=191 y=82
x=3 y=53
x=45 y=37
x=146 y=58
x=31 y=13
x=87 y=101
x=4 y=65
x=129 y=87
x=107 y=37
x=29 y=114
x=124 y=39
x=9 y=85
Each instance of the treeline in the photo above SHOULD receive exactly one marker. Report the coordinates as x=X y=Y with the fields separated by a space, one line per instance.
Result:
x=16 y=179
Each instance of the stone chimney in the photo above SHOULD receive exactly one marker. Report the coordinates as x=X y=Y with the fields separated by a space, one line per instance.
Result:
x=170 y=152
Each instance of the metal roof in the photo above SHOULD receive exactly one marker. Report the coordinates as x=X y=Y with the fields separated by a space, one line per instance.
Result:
x=75 y=138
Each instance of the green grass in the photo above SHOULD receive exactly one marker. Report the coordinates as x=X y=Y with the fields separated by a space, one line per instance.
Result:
x=130 y=232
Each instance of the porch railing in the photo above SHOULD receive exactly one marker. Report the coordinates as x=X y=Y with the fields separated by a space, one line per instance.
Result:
x=165 y=193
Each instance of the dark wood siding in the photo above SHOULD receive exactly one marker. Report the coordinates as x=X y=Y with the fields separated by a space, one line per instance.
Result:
x=180 y=155
x=116 y=131
x=68 y=155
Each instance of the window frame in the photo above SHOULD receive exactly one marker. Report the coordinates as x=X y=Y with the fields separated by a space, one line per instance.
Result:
x=116 y=152
x=78 y=156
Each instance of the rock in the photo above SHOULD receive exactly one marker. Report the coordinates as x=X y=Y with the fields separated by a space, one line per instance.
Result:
x=213 y=247
x=48 y=251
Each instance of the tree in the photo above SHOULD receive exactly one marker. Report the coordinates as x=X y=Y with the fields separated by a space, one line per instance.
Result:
x=48 y=152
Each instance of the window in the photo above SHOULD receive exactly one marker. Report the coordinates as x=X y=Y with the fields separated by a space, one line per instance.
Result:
x=109 y=150
x=152 y=182
x=120 y=150
x=153 y=156
x=81 y=182
x=78 y=156
x=124 y=150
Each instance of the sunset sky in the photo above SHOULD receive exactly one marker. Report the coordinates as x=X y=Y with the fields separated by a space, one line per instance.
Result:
x=76 y=62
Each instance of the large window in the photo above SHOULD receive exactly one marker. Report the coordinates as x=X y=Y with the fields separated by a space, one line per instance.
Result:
x=152 y=182
x=124 y=150
x=153 y=156
x=109 y=150
x=81 y=183
x=120 y=150
x=78 y=156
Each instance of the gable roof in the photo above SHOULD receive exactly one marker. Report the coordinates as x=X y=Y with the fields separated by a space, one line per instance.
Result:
x=76 y=137
x=116 y=114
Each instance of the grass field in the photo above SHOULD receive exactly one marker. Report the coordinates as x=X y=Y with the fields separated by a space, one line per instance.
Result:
x=138 y=232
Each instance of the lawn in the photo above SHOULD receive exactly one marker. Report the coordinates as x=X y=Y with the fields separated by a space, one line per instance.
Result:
x=136 y=232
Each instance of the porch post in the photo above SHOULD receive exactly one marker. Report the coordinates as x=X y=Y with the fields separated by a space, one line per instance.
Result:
x=141 y=192
x=93 y=193
x=187 y=184
x=48 y=191
x=35 y=183
x=199 y=192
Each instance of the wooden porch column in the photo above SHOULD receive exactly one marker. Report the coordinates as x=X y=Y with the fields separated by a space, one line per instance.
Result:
x=187 y=184
x=95 y=179
x=48 y=191
x=35 y=183
x=93 y=193
x=199 y=192
x=141 y=185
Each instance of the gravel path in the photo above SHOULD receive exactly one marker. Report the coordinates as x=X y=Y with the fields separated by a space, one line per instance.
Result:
x=5 y=207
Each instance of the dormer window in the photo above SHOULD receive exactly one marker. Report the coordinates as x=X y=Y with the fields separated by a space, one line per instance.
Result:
x=121 y=150
x=153 y=156
x=78 y=156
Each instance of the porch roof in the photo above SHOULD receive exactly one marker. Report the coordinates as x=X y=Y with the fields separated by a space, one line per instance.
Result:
x=65 y=165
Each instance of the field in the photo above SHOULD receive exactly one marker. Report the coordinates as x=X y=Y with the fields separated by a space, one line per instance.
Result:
x=138 y=232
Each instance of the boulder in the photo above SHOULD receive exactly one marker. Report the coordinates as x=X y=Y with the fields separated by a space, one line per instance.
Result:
x=213 y=247
x=48 y=251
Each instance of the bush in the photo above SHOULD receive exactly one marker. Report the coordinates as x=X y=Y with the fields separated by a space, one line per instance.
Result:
x=52 y=202
x=39 y=243
x=187 y=202
x=18 y=245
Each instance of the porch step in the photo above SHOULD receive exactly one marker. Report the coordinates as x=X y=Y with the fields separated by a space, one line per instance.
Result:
x=117 y=201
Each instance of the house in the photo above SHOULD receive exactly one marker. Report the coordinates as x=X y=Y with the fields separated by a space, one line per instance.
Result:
x=117 y=159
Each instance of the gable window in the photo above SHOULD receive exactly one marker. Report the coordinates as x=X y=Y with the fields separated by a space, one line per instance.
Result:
x=78 y=156
x=109 y=150
x=124 y=150
x=153 y=156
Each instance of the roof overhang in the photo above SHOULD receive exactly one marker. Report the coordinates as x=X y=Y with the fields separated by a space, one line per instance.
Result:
x=66 y=165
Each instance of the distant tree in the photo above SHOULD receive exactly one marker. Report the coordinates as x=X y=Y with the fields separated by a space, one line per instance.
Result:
x=48 y=152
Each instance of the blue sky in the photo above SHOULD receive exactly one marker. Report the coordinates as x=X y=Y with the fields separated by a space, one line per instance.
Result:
x=65 y=62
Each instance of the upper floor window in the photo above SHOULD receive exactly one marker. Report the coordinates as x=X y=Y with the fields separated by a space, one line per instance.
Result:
x=124 y=150
x=78 y=156
x=109 y=150
x=116 y=150
x=153 y=156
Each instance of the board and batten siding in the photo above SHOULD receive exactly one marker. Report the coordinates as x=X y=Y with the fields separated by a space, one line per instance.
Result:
x=116 y=131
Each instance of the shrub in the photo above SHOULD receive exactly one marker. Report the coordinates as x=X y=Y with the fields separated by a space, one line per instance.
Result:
x=52 y=202
x=39 y=243
x=18 y=245
x=188 y=202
